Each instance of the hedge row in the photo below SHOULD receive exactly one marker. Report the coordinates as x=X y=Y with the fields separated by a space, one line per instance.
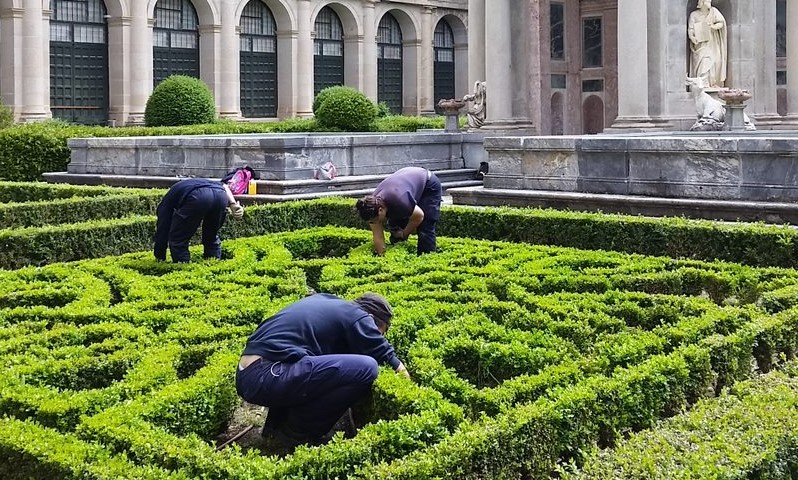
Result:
x=749 y=432
x=79 y=209
x=750 y=244
x=20 y=192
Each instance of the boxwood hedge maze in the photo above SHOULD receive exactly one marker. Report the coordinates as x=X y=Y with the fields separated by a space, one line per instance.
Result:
x=526 y=361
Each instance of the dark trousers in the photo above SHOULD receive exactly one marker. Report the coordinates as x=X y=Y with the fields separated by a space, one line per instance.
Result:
x=203 y=205
x=430 y=204
x=310 y=395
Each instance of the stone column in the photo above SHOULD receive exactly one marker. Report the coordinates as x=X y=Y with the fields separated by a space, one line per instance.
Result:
x=11 y=54
x=229 y=89
x=369 y=51
x=118 y=69
x=141 y=62
x=499 y=64
x=792 y=60
x=35 y=52
x=476 y=41
x=211 y=58
x=633 y=108
x=426 y=91
x=304 y=60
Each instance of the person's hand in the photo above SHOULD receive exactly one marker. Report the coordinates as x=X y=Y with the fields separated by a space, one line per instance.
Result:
x=402 y=370
x=236 y=210
x=397 y=235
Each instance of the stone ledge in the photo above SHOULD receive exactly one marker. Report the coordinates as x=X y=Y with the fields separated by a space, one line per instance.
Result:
x=726 y=210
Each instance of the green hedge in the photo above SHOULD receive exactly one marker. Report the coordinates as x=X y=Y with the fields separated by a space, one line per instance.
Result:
x=750 y=432
x=28 y=451
x=750 y=244
x=137 y=356
x=79 y=209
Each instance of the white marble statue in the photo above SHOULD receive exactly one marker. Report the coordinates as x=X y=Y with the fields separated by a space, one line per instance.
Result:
x=710 y=112
x=476 y=105
x=707 y=32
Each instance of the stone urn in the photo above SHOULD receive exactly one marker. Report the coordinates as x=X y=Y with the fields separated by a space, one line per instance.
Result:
x=451 y=109
x=734 y=96
x=735 y=99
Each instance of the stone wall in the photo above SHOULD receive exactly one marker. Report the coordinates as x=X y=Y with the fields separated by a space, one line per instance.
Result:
x=274 y=157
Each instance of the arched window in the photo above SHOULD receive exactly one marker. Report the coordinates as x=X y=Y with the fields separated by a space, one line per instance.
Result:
x=175 y=40
x=444 y=62
x=79 y=61
x=258 y=61
x=593 y=115
x=389 y=63
x=328 y=61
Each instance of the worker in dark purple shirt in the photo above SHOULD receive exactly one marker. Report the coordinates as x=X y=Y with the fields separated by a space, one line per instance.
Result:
x=408 y=201
x=313 y=360
x=188 y=203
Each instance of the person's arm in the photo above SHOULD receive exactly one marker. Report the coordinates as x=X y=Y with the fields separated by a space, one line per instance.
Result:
x=163 y=223
x=412 y=224
x=378 y=235
x=231 y=199
x=235 y=208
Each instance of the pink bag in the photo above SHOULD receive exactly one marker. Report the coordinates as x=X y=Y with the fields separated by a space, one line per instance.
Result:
x=238 y=180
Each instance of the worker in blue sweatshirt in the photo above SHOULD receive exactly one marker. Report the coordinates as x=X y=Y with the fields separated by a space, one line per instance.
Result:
x=313 y=360
x=187 y=204
x=408 y=201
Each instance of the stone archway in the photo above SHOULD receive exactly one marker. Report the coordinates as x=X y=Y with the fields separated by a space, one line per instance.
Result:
x=557 y=120
x=593 y=115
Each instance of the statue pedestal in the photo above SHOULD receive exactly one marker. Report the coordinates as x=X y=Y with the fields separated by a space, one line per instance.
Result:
x=735 y=99
x=735 y=117
x=451 y=109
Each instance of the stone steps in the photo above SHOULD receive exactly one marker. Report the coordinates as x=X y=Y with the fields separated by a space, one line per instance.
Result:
x=457 y=177
x=273 y=190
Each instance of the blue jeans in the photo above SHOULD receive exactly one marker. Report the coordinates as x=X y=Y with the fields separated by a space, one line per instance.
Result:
x=430 y=204
x=311 y=394
x=203 y=205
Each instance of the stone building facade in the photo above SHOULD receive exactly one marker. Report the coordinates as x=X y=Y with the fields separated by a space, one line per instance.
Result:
x=588 y=66
x=550 y=66
x=97 y=61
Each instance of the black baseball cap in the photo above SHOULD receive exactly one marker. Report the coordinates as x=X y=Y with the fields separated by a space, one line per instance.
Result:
x=377 y=306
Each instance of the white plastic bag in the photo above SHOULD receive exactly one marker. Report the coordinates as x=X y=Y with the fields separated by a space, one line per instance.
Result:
x=325 y=172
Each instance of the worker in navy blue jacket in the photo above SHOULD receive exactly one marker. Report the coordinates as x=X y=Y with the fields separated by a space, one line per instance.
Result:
x=187 y=204
x=313 y=360
x=408 y=201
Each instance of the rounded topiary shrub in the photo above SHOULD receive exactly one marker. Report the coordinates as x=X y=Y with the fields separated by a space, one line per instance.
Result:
x=180 y=100
x=344 y=108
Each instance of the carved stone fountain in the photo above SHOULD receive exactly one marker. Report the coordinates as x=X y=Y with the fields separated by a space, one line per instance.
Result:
x=735 y=99
x=451 y=109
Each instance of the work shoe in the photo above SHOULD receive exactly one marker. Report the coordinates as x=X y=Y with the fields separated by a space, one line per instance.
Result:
x=274 y=417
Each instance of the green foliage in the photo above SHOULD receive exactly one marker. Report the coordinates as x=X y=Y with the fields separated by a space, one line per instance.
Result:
x=746 y=433
x=344 y=108
x=28 y=150
x=180 y=100
x=383 y=110
x=6 y=116
x=516 y=369
x=79 y=209
x=401 y=123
